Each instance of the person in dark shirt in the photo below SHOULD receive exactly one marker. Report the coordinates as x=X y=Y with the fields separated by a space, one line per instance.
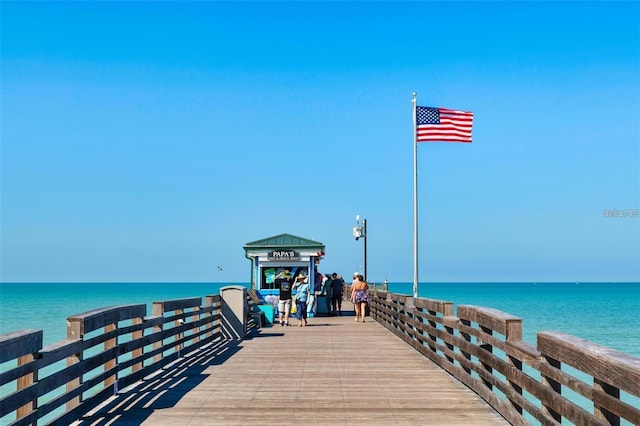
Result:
x=337 y=287
x=283 y=283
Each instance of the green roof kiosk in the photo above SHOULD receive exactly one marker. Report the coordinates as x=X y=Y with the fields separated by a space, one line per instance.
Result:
x=273 y=255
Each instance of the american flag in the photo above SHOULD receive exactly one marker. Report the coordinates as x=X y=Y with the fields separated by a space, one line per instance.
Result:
x=442 y=124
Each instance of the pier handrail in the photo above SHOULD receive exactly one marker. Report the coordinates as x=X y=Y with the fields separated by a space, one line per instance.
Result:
x=106 y=349
x=483 y=348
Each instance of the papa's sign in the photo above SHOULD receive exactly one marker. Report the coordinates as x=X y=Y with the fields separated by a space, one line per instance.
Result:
x=283 y=255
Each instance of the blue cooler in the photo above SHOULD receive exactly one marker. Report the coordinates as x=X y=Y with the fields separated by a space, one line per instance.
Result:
x=268 y=312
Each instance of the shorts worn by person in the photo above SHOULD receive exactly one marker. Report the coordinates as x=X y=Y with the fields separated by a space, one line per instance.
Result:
x=283 y=284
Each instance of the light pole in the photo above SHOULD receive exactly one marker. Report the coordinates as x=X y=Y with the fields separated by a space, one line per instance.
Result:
x=361 y=232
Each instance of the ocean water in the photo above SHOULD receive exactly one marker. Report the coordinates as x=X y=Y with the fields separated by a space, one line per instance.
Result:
x=604 y=313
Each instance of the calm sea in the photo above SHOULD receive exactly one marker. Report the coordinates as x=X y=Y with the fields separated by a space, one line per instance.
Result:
x=604 y=313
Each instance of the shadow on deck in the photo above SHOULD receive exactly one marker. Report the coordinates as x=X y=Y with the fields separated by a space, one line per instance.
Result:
x=334 y=371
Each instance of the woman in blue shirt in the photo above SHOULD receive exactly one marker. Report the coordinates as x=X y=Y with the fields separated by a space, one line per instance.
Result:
x=303 y=292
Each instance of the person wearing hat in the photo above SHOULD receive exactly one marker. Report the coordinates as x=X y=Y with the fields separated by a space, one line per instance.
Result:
x=303 y=293
x=360 y=296
x=283 y=284
x=355 y=278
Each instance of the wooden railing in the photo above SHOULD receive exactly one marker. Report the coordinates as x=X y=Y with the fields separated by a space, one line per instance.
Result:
x=106 y=349
x=483 y=348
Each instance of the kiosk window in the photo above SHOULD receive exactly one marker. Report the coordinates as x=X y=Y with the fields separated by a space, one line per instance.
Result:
x=268 y=274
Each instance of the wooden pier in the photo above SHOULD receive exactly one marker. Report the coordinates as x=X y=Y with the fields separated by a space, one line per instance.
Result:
x=415 y=361
x=335 y=371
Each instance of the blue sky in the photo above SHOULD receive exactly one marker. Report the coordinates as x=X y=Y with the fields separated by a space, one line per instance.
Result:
x=149 y=141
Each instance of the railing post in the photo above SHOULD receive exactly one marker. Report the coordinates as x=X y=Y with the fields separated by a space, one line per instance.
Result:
x=110 y=364
x=601 y=412
x=419 y=331
x=433 y=337
x=25 y=381
x=467 y=337
x=555 y=386
x=401 y=310
x=194 y=318
x=447 y=311
x=180 y=335
x=23 y=346
x=514 y=334
x=489 y=348
x=75 y=331
x=158 y=311
x=409 y=310
x=208 y=300
x=137 y=353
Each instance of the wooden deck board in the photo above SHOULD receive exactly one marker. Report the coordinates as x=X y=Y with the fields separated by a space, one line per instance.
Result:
x=335 y=371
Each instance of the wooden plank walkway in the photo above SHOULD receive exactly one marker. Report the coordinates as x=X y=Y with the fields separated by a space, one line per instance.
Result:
x=335 y=371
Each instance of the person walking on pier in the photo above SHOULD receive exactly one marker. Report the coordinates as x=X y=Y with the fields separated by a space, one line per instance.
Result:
x=359 y=296
x=327 y=291
x=337 y=286
x=283 y=284
x=303 y=293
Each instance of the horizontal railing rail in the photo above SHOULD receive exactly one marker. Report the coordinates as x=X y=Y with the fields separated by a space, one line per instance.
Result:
x=106 y=349
x=483 y=348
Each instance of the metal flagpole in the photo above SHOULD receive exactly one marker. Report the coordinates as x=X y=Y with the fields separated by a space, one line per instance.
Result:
x=415 y=199
x=366 y=237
